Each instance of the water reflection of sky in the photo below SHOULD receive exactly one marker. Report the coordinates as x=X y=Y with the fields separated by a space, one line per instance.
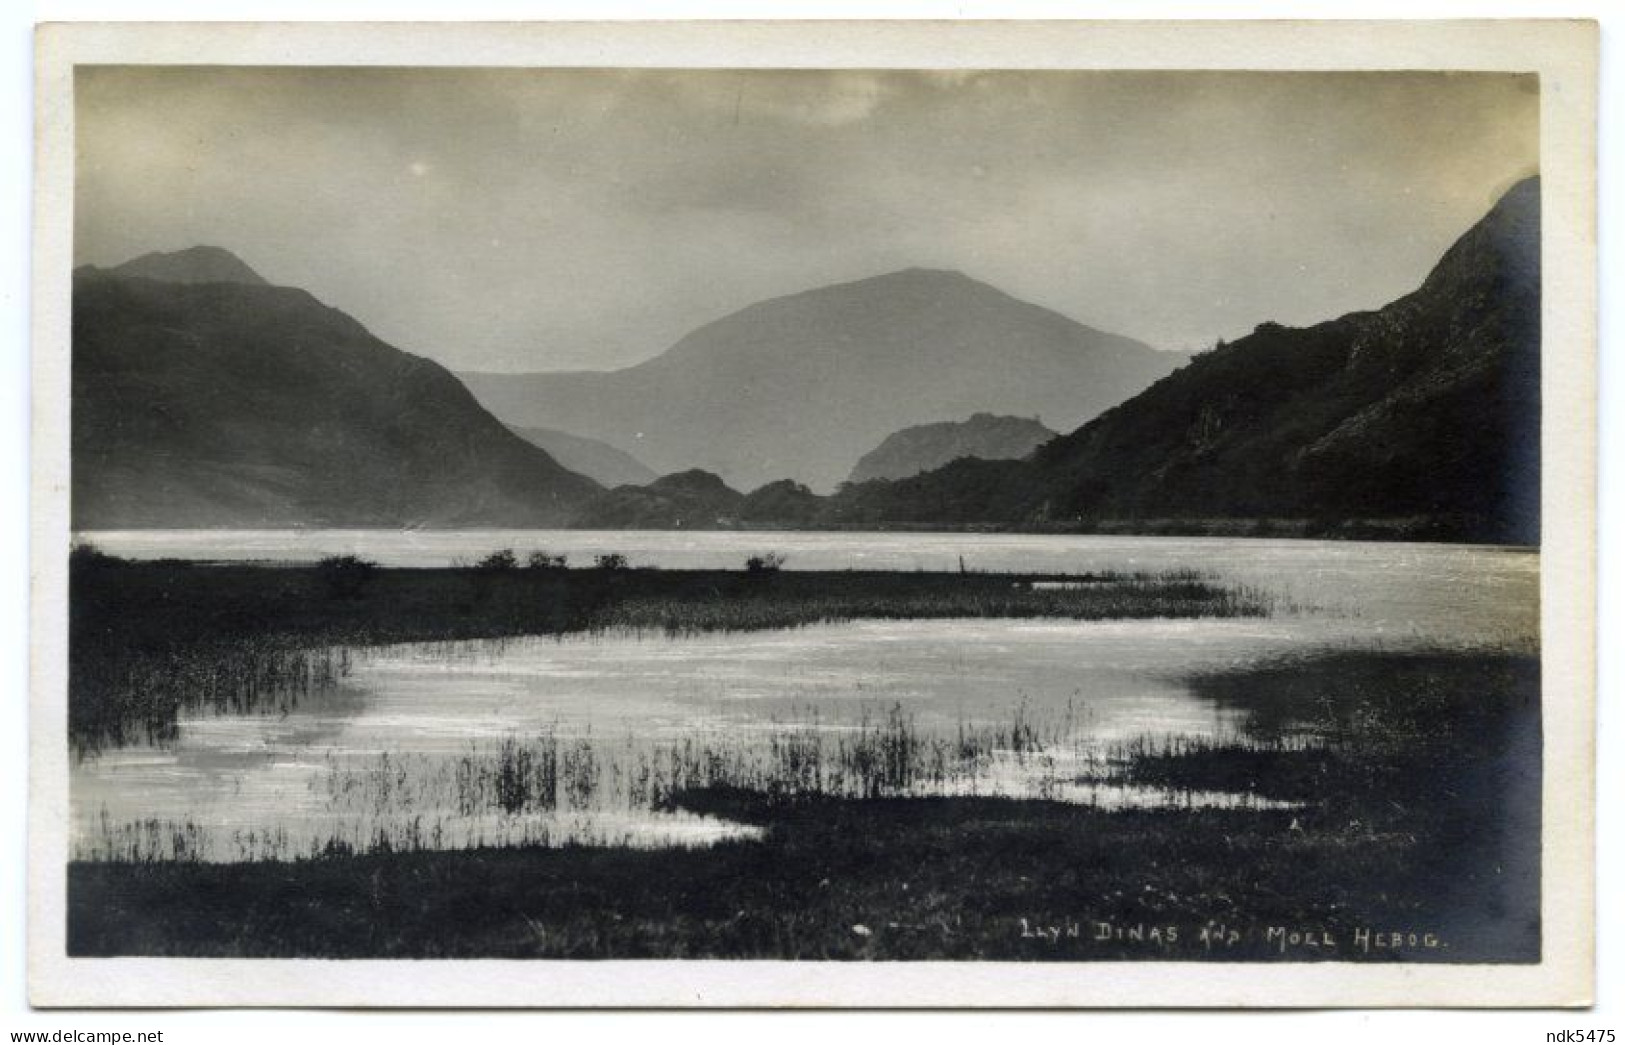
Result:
x=1104 y=682
x=1398 y=588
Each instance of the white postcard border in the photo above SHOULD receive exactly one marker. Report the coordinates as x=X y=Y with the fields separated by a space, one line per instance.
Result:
x=1564 y=54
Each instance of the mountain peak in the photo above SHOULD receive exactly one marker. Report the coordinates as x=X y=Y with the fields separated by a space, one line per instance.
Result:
x=1502 y=249
x=801 y=386
x=922 y=448
x=924 y=272
x=1524 y=193
x=913 y=281
x=919 y=277
x=1420 y=420
x=226 y=405
x=201 y=264
x=695 y=481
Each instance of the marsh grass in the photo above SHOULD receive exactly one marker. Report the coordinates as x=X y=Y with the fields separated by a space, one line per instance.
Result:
x=1112 y=599
x=553 y=789
x=1386 y=731
x=1361 y=733
x=1417 y=775
x=148 y=641
x=123 y=696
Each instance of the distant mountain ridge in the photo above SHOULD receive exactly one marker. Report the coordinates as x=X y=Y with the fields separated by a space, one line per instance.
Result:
x=192 y=265
x=214 y=399
x=594 y=458
x=801 y=386
x=228 y=402
x=922 y=448
x=691 y=500
x=1425 y=413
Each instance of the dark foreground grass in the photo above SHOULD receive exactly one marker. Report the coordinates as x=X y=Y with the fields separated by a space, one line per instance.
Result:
x=890 y=878
x=1418 y=840
x=149 y=638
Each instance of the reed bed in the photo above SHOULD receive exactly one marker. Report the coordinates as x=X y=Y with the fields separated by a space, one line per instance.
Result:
x=149 y=641
x=554 y=789
x=1352 y=727
x=1415 y=780
x=1127 y=598
x=128 y=696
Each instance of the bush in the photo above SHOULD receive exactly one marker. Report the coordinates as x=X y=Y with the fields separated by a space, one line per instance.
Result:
x=768 y=562
x=544 y=561
x=610 y=561
x=85 y=555
x=344 y=576
x=498 y=561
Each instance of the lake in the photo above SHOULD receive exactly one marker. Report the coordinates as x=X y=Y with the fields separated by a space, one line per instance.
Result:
x=578 y=739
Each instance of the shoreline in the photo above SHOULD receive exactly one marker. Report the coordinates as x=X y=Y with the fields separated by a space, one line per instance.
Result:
x=1377 y=531
x=1416 y=810
x=1388 y=842
x=148 y=637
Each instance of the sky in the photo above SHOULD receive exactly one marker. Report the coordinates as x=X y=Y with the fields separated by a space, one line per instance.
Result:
x=560 y=219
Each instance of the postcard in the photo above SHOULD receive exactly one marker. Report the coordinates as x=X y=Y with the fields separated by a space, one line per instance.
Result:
x=814 y=515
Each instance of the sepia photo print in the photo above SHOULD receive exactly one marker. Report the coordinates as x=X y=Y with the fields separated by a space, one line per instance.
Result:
x=1092 y=532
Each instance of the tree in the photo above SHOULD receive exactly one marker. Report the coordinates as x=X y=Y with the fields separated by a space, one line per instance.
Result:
x=767 y=562
x=345 y=576
x=498 y=561
x=540 y=560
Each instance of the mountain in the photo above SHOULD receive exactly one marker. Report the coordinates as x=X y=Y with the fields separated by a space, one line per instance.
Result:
x=234 y=403
x=784 y=502
x=799 y=387
x=1422 y=416
x=691 y=500
x=593 y=458
x=193 y=265
x=922 y=448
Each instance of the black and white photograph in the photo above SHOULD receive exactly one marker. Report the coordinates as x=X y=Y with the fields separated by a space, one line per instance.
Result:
x=1009 y=517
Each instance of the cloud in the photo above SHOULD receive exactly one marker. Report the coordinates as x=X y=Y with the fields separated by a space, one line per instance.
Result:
x=516 y=219
x=810 y=98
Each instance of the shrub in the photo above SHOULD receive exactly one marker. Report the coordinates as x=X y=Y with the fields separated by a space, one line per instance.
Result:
x=544 y=561
x=85 y=554
x=610 y=561
x=498 y=561
x=344 y=576
x=768 y=562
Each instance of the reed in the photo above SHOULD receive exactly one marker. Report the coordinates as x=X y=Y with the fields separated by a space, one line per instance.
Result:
x=1418 y=777
x=1353 y=729
x=549 y=788
x=149 y=641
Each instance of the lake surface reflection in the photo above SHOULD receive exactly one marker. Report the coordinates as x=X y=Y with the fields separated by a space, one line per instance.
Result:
x=583 y=739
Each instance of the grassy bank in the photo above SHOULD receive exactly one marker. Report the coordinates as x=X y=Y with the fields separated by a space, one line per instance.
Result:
x=148 y=638
x=1416 y=839
x=1438 y=529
